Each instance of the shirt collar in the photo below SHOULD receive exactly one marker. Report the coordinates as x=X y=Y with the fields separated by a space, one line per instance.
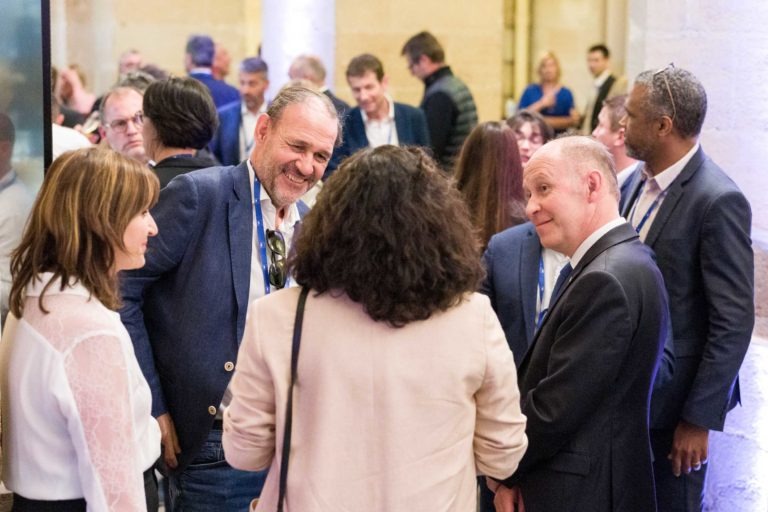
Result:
x=268 y=208
x=602 y=77
x=443 y=71
x=665 y=178
x=245 y=112
x=8 y=179
x=36 y=286
x=390 y=114
x=200 y=71
x=593 y=238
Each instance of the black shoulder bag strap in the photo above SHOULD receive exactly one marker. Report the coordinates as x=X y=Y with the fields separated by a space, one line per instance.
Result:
x=289 y=406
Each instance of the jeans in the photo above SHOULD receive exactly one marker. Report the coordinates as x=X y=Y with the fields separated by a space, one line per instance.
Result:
x=209 y=484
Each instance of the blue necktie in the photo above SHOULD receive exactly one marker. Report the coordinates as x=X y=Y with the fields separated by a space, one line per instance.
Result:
x=561 y=280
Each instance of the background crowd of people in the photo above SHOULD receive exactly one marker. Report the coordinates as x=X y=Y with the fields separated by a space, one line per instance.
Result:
x=555 y=315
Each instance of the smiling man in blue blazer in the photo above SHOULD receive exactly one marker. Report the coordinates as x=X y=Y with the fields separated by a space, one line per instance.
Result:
x=377 y=119
x=215 y=253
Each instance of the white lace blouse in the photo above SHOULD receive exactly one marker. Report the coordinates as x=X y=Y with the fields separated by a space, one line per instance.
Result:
x=75 y=405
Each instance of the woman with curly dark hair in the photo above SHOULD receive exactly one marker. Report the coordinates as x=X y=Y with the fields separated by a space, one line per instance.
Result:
x=405 y=384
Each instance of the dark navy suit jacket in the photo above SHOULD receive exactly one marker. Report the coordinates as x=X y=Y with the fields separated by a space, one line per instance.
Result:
x=411 y=128
x=225 y=144
x=701 y=237
x=585 y=384
x=512 y=271
x=185 y=310
x=221 y=92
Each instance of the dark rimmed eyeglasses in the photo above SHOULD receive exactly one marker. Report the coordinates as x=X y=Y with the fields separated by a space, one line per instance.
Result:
x=663 y=73
x=120 y=125
x=278 y=273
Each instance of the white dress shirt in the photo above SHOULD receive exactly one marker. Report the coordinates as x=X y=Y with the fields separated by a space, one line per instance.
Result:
x=247 y=127
x=653 y=193
x=76 y=409
x=15 y=204
x=381 y=131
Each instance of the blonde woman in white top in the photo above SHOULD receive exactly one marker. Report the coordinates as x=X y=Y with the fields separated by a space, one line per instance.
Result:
x=77 y=429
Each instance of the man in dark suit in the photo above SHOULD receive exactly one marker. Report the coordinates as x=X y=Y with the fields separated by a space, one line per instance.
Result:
x=220 y=249
x=233 y=141
x=698 y=223
x=377 y=119
x=310 y=67
x=606 y=85
x=198 y=60
x=585 y=382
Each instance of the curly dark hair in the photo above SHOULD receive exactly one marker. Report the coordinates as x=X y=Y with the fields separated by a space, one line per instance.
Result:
x=391 y=232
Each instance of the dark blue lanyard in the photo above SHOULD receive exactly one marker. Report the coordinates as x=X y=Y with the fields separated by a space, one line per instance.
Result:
x=542 y=309
x=653 y=206
x=261 y=232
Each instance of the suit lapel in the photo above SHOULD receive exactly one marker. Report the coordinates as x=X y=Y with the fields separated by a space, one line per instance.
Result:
x=358 y=138
x=674 y=193
x=240 y=235
x=630 y=191
x=530 y=255
x=402 y=127
x=617 y=235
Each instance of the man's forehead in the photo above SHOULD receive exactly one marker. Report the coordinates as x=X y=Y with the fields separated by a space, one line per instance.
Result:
x=124 y=100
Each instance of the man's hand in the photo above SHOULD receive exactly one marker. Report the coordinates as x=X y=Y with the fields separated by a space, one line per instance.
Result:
x=169 y=440
x=508 y=500
x=690 y=448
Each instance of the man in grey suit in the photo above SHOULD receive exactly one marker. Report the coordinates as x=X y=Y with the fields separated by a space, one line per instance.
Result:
x=224 y=236
x=698 y=223
x=585 y=382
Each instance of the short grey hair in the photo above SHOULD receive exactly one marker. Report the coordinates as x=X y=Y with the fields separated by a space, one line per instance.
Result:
x=685 y=101
x=587 y=153
x=309 y=67
x=293 y=94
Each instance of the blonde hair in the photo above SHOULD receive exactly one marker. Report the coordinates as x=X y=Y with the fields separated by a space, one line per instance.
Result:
x=86 y=202
x=549 y=55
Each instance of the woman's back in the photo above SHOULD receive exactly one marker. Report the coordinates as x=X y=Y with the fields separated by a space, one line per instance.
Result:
x=385 y=418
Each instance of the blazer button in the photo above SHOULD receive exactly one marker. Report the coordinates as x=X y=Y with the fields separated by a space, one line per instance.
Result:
x=212 y=410
x=229 y=366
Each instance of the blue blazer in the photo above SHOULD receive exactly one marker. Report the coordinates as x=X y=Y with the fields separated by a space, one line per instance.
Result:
x=511 y=282
x=221 y=92
x=225 y=144
x=185 y=309
x=410 y=122
x=701 y=237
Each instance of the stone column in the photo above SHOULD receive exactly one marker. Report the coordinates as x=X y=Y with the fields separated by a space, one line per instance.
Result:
x=724 y=45
x=294 y=27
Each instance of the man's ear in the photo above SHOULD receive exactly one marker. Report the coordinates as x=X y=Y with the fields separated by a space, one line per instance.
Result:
x=665 y=126
x=263 y=125
x=594 y=183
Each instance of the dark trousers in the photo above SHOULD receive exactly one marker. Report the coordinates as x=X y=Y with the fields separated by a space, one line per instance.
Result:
x=22 y=504
x=675 y=494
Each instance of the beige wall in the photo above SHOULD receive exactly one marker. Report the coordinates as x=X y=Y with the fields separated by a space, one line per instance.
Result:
x=472 y=42
x=96 y=32
x=569 y=28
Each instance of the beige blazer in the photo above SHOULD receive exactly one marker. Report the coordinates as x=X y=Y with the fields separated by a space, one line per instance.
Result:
x=385 y=419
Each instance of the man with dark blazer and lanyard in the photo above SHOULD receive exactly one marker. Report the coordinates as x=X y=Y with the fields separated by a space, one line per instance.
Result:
x=586 y=380
x=233 y=141
x=224 y=236
x=377 y=119
x=698 y=223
